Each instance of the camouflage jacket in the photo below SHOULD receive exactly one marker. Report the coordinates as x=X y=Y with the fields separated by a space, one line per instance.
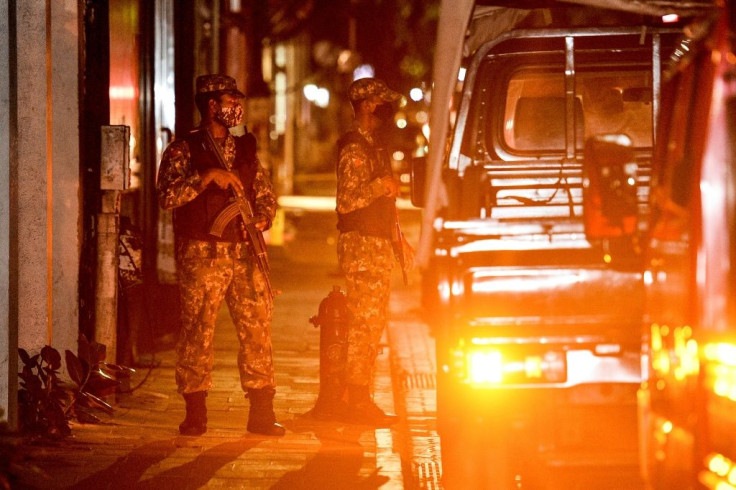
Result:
x=178 y=182
x=358 y=175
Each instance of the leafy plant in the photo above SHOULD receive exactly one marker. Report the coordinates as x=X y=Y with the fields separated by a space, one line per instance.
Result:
x=46 y=404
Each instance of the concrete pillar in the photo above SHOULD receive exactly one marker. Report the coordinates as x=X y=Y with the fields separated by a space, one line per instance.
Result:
x=8 y=336
x=39 y=186
x=106 y=290
x=33 y=169
x=65 y=190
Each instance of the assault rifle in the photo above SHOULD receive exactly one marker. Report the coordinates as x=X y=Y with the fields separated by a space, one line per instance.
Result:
x=397 y=237
x=397 y=242
x=240 y=206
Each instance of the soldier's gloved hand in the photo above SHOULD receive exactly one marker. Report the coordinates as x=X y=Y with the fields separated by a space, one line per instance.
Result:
x=262 y=223
x=222 y=179
x=391 y=186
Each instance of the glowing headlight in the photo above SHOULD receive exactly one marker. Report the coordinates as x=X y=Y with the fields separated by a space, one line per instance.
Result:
x=485 y=367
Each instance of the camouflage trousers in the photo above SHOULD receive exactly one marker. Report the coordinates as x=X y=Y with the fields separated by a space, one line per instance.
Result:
x=208 y=273
x=366 y=263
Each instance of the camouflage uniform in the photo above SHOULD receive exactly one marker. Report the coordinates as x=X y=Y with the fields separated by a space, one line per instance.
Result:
x=210 y=271
x=365 y=260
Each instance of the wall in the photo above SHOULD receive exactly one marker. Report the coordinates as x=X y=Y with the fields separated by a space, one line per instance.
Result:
x=39 y=186
x=7 y=343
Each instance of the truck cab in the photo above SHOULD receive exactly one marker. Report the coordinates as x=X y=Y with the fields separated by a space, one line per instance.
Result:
x=537 y=326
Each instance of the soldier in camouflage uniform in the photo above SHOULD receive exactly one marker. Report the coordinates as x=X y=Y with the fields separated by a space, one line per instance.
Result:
x=366 y=210
x=192 y=182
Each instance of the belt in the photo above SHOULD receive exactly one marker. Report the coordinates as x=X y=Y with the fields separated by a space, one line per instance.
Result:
x=189 y=249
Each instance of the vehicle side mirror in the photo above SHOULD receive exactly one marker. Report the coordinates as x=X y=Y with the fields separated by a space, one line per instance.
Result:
x=610 y=203
x=418 y=180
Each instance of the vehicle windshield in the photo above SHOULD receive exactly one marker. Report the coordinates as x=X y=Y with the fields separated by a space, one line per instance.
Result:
x=606 y=102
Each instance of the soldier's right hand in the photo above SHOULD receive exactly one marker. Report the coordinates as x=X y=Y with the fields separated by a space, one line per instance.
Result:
x=222 y=179
x=391 y=186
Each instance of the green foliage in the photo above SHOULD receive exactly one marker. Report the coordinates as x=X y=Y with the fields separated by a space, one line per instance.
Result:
x=46 y=404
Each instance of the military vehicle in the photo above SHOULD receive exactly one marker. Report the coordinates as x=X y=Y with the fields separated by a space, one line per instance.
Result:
x=538 y=326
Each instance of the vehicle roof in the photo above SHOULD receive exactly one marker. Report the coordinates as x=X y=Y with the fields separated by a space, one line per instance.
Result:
x=684 y=8
x=453 y=44
x=491 y=18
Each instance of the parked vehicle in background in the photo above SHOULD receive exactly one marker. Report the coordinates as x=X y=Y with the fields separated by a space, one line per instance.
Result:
x=537 y=328
x=688 y=397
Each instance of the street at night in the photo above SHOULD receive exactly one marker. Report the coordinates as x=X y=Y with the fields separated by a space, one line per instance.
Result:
x=368 y=244
x=139 y=446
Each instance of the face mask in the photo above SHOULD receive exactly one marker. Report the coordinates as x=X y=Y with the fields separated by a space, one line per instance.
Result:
x=376 y=122
x=230 y=116
x=384 y=113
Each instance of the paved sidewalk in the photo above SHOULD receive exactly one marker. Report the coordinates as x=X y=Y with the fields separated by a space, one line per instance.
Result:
x=139 y=447
x=413 y=372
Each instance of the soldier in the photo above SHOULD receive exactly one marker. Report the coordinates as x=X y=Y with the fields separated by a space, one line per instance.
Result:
x=192 y=182
x=369 y=238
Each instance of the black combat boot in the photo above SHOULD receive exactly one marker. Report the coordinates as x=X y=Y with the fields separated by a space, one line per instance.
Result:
x=261 y=419
x=330 y=404
x=195 y=423
x=362 y=409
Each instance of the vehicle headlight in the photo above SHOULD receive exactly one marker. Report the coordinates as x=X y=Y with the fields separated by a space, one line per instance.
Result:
x=495 y=365
x=485 y=367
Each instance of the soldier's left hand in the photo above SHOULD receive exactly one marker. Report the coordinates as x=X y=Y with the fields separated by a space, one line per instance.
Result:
x=262 y=223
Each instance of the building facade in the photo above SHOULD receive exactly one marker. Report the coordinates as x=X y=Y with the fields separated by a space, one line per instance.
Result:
x=70 y=68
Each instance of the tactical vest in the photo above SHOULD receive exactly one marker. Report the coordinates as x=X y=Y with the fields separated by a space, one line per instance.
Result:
x=376 y=219
x=194 y=219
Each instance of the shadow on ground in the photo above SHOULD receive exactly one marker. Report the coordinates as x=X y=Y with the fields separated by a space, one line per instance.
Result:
x=338 y=461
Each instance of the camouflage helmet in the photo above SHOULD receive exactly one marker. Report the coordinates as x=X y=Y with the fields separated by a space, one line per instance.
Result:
x=218 y=83
x=365 y=87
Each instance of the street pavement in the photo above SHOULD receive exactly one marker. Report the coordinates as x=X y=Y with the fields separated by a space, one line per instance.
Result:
x=139 y=445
